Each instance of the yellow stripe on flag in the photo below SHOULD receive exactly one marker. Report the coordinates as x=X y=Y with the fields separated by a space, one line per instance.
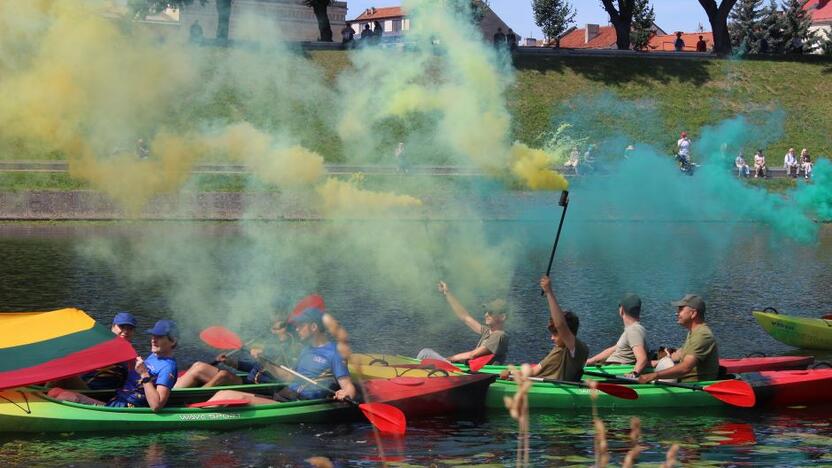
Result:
x=22 y=328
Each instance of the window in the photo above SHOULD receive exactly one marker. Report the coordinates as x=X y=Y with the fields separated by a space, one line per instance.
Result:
x=397 y=25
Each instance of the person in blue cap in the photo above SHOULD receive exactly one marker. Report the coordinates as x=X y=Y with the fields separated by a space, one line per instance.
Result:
x=149 y=382
x=110 y=377
x=319 y=360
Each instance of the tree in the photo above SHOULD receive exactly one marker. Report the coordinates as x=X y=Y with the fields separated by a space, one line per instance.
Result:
x=475 y=9
x=826 y=45
x=718 y=17
x=771 y=29
x=746 y=26
x=622 y=19
x=797 y=38
x=553 y=17
x=320 y=7
x=643 y=19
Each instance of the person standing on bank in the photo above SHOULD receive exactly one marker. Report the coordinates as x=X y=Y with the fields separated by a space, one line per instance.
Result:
x=631 y=347
x=698 y=358
x=493 y=338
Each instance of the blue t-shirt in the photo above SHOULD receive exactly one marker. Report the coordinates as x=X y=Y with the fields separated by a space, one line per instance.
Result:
x=323 y=364
x=162 y=371
x=106 y=378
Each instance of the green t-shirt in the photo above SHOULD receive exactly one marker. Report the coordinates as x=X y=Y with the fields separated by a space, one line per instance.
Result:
x=701 y=344
x=560 y=364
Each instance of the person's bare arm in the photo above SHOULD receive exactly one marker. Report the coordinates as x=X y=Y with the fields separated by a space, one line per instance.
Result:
x=460 y=357
x=641 y=359
x=460 y=310
x=157 y=395
x=558 y=318
x=347 y=389
x=601 y=357
x=679 y=370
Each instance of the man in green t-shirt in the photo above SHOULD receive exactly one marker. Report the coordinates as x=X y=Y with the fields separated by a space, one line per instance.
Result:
x=493 y=338
x=698 y=358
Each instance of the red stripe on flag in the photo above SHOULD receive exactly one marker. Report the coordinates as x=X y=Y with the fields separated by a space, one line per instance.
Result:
x=101 y=355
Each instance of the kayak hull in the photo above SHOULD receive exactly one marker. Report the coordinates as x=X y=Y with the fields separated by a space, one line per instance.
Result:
x=800 y=332
x=22 y=410
x=789 y=388
x=431 y=396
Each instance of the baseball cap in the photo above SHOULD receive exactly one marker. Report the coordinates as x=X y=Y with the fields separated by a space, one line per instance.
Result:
x=309 y=315
x=630 y=302
x=164 y=328
x=496 y=307
x=124 y=318
x=691 y=300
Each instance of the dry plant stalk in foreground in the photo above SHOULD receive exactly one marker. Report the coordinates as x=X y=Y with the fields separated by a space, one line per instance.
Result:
x=518 y=408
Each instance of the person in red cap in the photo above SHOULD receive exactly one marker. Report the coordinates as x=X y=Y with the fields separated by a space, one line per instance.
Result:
x=683 y=146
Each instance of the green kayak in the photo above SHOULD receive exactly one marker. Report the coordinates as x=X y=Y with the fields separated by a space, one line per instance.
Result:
x=548 y=395
x=31 y=410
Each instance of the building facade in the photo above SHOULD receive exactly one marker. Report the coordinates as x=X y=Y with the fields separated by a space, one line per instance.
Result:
x=821 y=13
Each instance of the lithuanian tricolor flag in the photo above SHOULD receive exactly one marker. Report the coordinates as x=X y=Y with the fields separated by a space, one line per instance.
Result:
x=39 y=346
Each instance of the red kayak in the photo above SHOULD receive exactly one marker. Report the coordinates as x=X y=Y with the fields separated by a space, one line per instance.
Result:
x=429 y=396
x=791 y=387
x=770 y=363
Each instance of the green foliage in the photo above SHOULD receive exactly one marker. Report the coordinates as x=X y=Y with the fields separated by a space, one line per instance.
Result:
x=826 y=44
x=553 y=17
x=771 y=26
x=797 y=38
x=643 y=19
x=475 y=9
x=745 y=26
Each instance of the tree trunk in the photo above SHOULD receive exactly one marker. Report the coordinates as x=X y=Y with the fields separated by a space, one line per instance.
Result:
x=718 y=17
x=223 y=20
x=622 y=20
x=324 y=28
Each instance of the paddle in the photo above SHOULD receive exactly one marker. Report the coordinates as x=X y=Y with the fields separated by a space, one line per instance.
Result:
x=564 y=202
x=230 y=402
x=618 y=391
x=478 y=363
x=222 y=338
x=386 y=418
x=733 y=392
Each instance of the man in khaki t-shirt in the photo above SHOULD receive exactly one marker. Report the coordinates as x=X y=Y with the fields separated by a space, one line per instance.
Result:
x=631 y=347
x=493 y=338
x=698 y=358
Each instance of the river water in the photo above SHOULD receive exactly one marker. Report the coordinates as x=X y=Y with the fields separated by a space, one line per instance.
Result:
x=48 y=266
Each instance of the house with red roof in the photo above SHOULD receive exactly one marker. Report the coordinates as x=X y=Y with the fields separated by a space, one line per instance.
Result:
x=821 y=13
x=667 y=42
x=395 y=22
x=594 y=36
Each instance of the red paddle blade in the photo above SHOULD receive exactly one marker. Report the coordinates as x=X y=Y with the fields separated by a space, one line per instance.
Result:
x=384 y=417
x=477 y=363
x=209 y=404
x=438 y=364
x=733 y=392
x=312 y=300
x=827 y=317
x=220 y=338
x=619 y=391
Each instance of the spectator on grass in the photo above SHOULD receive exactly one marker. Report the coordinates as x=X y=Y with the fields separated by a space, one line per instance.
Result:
x=806 y=163
x=574 y=160
x=679 y=43
x=760 y=169
x=499 y=38
x=511 y=39
x=701 y=45
x=790 y=163
x=366 y=33
x=347 y=35
x=742 y=167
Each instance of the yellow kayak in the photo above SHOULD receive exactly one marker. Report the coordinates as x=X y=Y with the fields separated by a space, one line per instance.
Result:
x=384 y=366
x=800 y=332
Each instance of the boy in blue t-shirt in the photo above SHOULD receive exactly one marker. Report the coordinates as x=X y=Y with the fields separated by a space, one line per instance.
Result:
x=319 y=360
x=150 y=382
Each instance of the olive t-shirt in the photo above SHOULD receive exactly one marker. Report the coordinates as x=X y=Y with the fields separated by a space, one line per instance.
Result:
x=633 y=335
x=701 y=344
x=560 y=364
x=496 y=341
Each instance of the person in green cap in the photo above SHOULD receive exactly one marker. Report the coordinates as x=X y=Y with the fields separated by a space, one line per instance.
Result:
x=631 y=347
x=698 y=358
x=493 y=338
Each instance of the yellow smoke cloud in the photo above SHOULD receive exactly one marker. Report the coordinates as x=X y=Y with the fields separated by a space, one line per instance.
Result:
x=534 y=168
x=341 y=198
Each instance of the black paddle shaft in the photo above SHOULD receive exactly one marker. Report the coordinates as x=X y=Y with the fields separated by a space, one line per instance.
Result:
x=564 y=202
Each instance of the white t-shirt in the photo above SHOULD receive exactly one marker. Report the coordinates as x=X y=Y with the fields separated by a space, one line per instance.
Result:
x=684 y=146
x=759 y=160
x=789 y=160
x=740 y=161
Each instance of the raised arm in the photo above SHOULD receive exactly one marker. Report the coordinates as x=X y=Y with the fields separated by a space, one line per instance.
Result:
x=460 y=311
x=557 y=315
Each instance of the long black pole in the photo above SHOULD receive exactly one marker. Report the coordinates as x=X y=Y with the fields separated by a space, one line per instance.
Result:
x=564 y=202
